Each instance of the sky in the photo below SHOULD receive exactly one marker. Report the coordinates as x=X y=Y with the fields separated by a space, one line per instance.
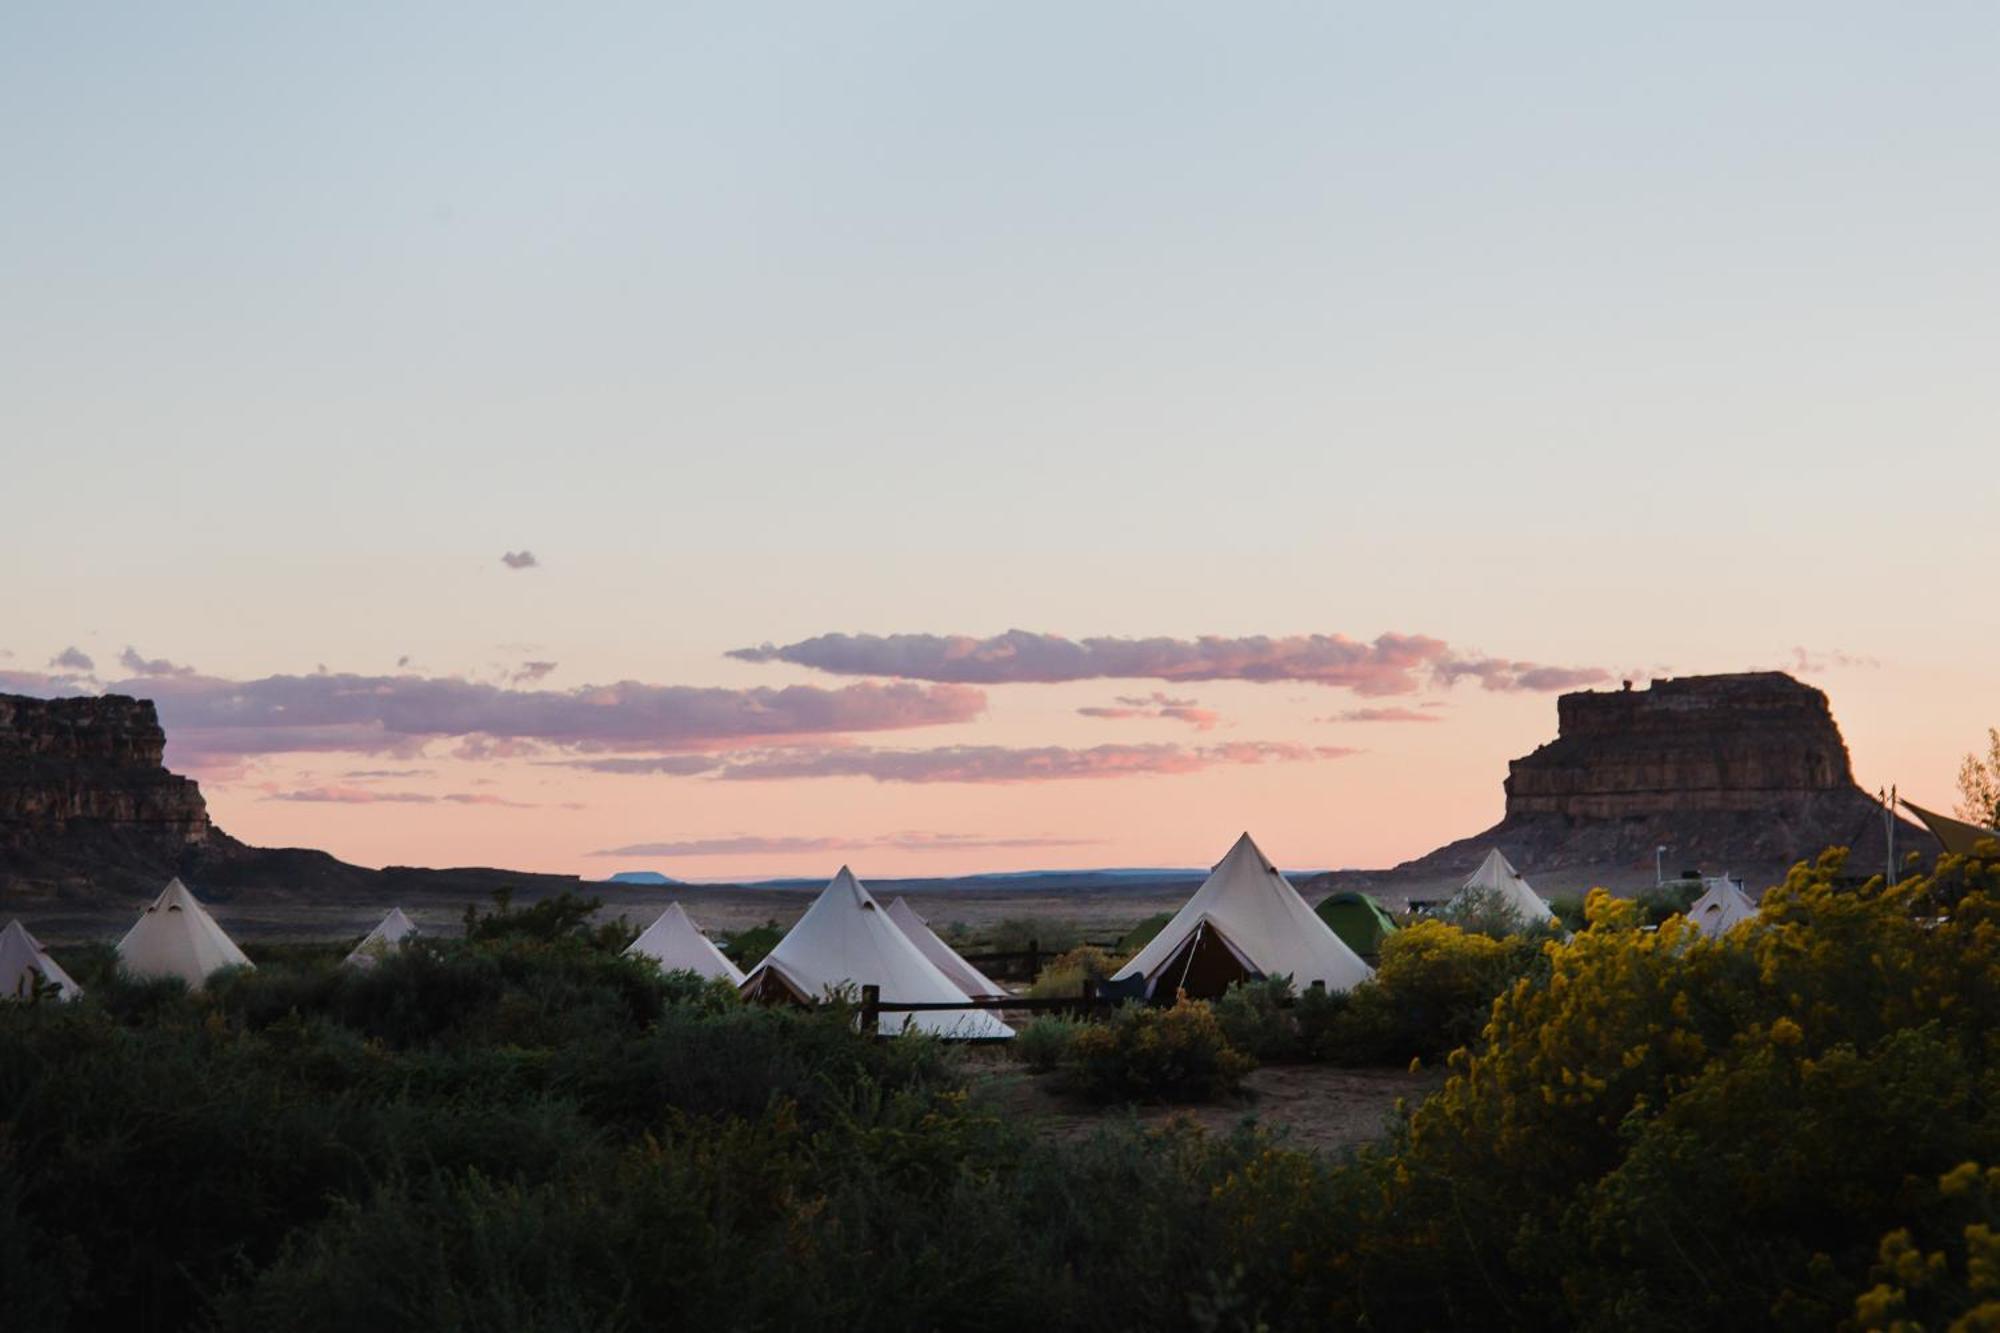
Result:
x=734 y=440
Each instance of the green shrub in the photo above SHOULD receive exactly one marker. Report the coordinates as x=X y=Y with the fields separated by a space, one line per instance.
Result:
x=1259 y=1018
x=1064 y=977
x=747 y=947
x=1155 y=1054
x=1042 y=1042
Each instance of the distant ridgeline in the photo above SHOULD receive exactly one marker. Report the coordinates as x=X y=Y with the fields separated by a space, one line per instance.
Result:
x=1743 y=772
x=89 y=813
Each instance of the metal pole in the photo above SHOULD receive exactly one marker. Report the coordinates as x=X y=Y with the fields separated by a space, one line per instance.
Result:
x=1890 y=815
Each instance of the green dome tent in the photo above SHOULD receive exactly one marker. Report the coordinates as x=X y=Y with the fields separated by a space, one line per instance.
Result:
x=1359 y=921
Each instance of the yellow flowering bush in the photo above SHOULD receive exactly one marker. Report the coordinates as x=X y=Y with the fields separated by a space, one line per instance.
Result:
x=1144 y=1053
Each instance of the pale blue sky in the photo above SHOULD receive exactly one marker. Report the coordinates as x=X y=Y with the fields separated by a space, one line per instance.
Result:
x=1578 y=333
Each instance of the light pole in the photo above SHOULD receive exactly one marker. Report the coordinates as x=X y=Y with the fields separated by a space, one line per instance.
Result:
x=1659 y=866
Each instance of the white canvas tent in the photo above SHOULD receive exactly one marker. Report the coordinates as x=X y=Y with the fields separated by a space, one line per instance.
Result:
x=677 y=945
x=1497 y=882
x=385 y=939
x=1722 y=906
x=176 y=937
x=963 y=974
x=1245 y=920
x=846 y=939
x=25 y=965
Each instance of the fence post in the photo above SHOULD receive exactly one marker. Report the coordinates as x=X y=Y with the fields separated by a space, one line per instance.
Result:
x=871 y=1013
x=1034 y=959
x=1089 y=995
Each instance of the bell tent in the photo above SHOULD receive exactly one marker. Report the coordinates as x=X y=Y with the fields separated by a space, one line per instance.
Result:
x=962 y=974
x=176 y=937
x=846 y=939
x=26 y=967
x=385 y=939
x=1359 y=921
x=1722 y=906
x=677 y=945
x=1245 y=922
x=1496 y=883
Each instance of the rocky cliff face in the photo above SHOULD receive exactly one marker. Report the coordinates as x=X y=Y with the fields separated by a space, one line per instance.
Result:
x=90 y=816
x=1745 y=773
x=82 y=782
x=1755 y=742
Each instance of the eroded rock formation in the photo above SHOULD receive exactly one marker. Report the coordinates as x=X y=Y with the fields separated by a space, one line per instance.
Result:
x=1745 y=773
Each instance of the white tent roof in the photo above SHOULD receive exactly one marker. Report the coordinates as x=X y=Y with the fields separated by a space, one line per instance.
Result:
x=386 y=938
x=176 y=937
x=23 y=962
x=677 y=945
x=962 y=974
x=1262 y=919
x=1496 y=880
x=846 y=939
x=1721 y=907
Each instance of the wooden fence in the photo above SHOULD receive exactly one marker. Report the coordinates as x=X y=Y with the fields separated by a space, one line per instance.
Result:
x=1088 y=999
x=1025 y=964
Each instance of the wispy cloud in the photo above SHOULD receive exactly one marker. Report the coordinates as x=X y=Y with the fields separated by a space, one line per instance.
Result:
x=73 y=658
x=1386 y=715
x=531 y=671
x=736 y=844
x=150 y=666
x=338 y=795
x=1808 y=662
x=1156 y=706
x=519 y=559
x=994 y=764
x=1389 y=664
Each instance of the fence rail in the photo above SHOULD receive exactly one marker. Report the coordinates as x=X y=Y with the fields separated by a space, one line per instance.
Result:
x=1025 y=964
x=1087 y=999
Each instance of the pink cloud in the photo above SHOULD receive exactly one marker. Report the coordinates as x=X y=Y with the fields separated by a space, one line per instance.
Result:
x=967 y=763
x=209 y=719
x=1385 y=715
x=1390 y=664
x=339 y=795
x=1156 y=706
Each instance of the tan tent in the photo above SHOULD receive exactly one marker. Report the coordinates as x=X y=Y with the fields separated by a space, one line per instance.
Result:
x=677 y=945
x=1496 y=882
x=176 y=937
x=382 y=941
x=1959 y=838
x=845 y=940
x=1245 y=922
x=26 y=967
x=963 y=974
x=1722 y=906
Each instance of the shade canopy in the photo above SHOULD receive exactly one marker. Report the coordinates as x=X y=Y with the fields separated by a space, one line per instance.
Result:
x=176 y=937
x=1245 y=921
x=25 y=968
x=677 y=945
x=1959 y=838
x=962 y=974
x=846 y=940
x=382 y=941
x=1722 y=905
x=1496 y=882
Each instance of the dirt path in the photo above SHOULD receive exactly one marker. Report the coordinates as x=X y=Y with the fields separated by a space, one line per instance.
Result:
x=1315 y=1107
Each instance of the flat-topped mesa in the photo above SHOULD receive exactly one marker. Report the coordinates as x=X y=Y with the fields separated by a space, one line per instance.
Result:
x=77 y=767
x=1748 y=742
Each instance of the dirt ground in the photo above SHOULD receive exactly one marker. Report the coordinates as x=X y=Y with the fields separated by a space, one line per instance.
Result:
x=1314 y=1107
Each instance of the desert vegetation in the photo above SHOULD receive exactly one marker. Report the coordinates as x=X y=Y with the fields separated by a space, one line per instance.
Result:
x=1791 y=1126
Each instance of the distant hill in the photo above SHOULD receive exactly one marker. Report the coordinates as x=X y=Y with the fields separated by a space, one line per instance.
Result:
x=651 y=878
